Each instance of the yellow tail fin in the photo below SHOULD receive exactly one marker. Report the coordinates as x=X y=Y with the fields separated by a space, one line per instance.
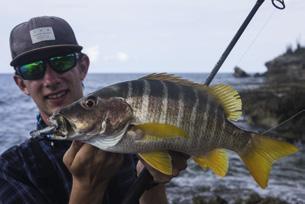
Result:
x=260 y=153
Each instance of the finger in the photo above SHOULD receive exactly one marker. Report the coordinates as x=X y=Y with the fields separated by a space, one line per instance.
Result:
x=140 y=167
x=157 y=176
x=84 y=155
x=179 y=155
x=179 y=161
x=71 y=152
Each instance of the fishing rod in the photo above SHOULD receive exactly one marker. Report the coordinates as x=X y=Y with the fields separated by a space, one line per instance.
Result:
x=145 y=180
x=279 y=4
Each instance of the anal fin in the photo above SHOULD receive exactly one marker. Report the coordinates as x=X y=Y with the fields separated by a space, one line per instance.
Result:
x=160 y=161
x=216 y=160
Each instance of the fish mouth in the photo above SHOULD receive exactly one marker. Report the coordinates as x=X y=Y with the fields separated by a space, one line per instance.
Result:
x=64 y=127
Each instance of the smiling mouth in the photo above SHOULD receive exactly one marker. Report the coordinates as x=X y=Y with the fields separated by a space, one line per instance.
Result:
x=57 y=95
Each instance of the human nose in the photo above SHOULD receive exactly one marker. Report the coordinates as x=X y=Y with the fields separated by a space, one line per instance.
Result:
x=50 y=78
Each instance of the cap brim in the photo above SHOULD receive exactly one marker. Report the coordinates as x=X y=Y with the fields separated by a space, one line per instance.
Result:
x=44 y=52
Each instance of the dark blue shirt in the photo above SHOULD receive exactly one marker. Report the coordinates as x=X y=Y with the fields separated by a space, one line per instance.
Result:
x=31 y=174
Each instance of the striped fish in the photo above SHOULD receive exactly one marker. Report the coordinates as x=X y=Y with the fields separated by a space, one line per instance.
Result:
x=161 y=112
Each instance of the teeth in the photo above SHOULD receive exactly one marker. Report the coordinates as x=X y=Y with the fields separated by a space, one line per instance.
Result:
x=55 y=96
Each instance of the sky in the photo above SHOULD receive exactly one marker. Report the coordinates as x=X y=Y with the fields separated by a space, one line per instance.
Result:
x=165 y=35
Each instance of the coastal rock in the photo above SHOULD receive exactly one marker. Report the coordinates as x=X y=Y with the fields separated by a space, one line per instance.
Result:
x=255 y=198
x=269 y=106
x=282 y=96
x=240 y=73
x=209 y=200
x=259 y=74
x=288 y=67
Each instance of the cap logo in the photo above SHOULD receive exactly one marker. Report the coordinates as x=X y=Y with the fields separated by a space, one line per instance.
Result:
x=42 y=34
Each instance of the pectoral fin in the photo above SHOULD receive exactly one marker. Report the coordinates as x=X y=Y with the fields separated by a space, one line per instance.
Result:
x=155 y=131
x=216 y=160
x=160 y=161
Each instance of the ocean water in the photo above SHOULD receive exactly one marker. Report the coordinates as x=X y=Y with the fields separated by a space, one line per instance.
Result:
x=287 y=178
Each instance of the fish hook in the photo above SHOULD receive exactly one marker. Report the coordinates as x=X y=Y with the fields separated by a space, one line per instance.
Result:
x=279 y=4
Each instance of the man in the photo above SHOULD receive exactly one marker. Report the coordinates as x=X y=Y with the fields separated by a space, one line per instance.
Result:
x=49 y=67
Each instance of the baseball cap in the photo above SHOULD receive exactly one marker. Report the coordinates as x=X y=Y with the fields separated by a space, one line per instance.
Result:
x=41 y=37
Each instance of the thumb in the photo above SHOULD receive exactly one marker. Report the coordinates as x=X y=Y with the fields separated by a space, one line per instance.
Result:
x=140 y=167
x=71 y=152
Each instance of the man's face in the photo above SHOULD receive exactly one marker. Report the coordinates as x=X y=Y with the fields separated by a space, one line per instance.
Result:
x=55 y=90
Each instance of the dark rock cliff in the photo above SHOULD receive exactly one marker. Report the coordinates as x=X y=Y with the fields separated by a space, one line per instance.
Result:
x=280 y=97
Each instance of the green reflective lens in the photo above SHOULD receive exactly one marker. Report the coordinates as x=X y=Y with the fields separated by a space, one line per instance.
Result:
x=62 y=64
x=31 y=71
x=36 y=70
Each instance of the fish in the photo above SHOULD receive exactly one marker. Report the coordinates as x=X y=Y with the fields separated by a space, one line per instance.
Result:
x=158 y=113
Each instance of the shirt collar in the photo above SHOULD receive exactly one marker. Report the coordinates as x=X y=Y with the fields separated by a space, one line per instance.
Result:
x=40 y=124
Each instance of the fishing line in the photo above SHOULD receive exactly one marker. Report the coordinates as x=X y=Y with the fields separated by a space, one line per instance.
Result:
x=258 y=34
x=145 y=180
x=285 y=121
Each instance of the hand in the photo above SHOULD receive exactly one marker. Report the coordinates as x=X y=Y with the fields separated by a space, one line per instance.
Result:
x=91 y=171
x=179 y=163
x=157 y=193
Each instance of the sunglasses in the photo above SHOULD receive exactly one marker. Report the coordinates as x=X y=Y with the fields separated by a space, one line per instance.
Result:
x=36 y=70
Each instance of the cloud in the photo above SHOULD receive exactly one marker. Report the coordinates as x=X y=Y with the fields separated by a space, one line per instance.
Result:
x=122 y=56
x=117 y=57
x=92 y=52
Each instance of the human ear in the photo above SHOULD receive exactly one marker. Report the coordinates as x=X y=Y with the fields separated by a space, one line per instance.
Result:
x=20 y=83
x=84 y=66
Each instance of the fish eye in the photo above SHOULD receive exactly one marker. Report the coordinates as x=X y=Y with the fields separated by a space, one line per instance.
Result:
x=89 y=102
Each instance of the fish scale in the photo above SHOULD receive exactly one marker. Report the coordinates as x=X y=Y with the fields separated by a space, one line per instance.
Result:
x=151 y=92
x=164 y=106
x=172 y=114
x=155 y=102
x=189 y=99
x=173 y=104
x=136 y=98
x=186 y=96
x=192 y=127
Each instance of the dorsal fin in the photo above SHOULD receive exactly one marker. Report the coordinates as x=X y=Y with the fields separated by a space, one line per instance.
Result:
x=171 y=78
x=226 y=95
x=229 y=98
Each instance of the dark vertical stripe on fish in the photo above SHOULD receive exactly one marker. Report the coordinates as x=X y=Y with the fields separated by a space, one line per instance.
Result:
x=201 y=117
x=145 y=100
x=173 y=103
x=214 y=122
x=204 y=108
x=129 y=92
x=179 y=122
x=164 y=104
x=194 y=114
x=156 y=92
x=122 y=89
x=189 y=100
x=221 y=137
x=212 y=125
x=137 y=87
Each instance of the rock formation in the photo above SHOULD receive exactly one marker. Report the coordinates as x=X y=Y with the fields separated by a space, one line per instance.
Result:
x=280 y=97
x=240 y=73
